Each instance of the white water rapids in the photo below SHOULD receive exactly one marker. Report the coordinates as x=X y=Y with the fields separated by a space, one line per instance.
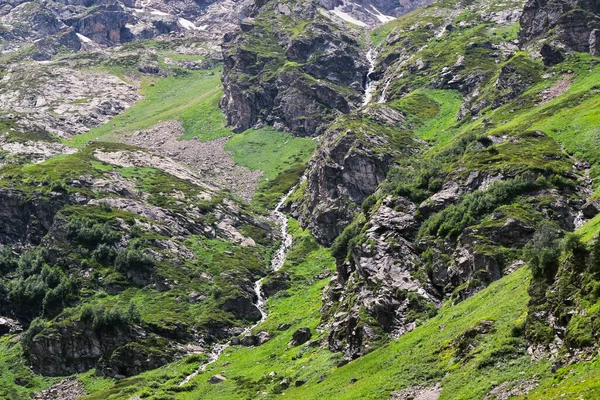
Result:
x=261 y=301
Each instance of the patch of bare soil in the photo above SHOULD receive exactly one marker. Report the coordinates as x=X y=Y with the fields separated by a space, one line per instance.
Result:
x=419 y=392
x=556 y=90
x=68 y=389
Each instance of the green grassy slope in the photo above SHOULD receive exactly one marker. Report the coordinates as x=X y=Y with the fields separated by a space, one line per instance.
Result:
x=428 y=354
x=279 y=155
x=192 y=97
x=249 y=366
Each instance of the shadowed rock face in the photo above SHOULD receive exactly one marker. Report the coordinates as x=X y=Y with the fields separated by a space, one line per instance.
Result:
x=76 y=348
x=345 y=170
x=574 y=21
x=105 y=25
x=318 y=75
x=25 y=220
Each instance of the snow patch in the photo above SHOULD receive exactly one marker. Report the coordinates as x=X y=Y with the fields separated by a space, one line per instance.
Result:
x=84 y=39
x=157 y=12
x=379 y=15
x=187 y=24
x=347 y=17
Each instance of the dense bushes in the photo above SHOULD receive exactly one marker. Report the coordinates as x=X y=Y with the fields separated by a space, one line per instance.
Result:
x=8 y=262
x=451 y=221
x=38 y=286
x=90 y=233
x=543 y=251
x=99 y=240
x=564 y=288
x=416 y=180
x=101 y=316
x=133 y=258
x=345 y=241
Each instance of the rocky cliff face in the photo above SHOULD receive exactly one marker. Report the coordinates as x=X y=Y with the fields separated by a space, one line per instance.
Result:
x=573 y=24
x=72 y=349
x=449 y=156
x=353 y=158
x=293 y=81
x=299 y=67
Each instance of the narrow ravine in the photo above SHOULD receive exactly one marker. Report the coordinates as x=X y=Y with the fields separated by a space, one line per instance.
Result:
x=261 y=301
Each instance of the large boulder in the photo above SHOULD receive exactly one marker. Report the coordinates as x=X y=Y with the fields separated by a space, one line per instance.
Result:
x=242 y=308
x=301 y=336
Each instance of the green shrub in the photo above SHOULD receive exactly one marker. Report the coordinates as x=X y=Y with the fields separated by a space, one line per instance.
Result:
x=90 y=233
x=544 y=251
x=133 y=259
x=451 y=221
x=104 y=254
x=368 y=204
x=102 y=317
x=579 y=332
x=342 y=244
x=8 y=262
x=59 y=297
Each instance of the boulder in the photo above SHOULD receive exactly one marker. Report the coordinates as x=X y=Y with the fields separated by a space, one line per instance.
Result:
x=301 y=336
x=284 y=327
x=149 y=67
x=551 y=55
x=9 y=326
x=252 y=340
x=216 y=379
x=513 y=233
x=276 y=283
x=591 y=209
x=242 y=308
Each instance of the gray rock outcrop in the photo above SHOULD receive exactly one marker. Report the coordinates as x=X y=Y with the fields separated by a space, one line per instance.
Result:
x=572 y=23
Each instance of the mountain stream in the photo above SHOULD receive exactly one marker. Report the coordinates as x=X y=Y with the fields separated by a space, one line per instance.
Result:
x=276 y=263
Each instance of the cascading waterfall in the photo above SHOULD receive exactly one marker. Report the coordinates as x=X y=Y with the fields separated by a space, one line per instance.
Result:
x=261 y=301
x=278 y=259
x=370 y=85
x=212 y=357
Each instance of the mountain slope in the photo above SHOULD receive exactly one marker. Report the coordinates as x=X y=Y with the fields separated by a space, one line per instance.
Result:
x=442 y=241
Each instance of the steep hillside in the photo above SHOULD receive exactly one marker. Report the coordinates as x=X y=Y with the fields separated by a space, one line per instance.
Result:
x=308 y=199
